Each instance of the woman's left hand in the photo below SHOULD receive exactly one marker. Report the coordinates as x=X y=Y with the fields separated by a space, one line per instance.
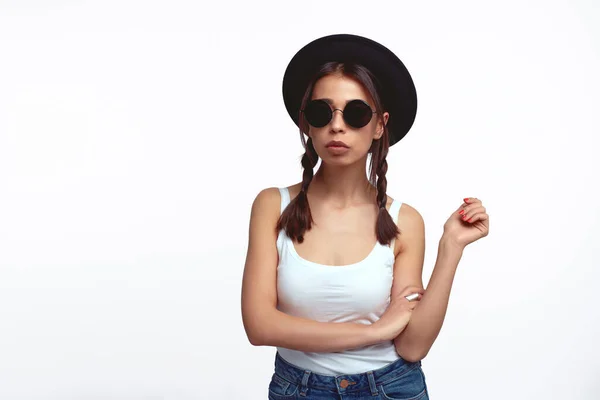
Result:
x=468 y=223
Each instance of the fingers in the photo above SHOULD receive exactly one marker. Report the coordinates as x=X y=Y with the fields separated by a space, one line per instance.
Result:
x=467 y=201
x=409 y=292
x=478 y=217
x=472 y=210
x=469 y=211
x=413 y=296
x=412 y=289
x=471 y=200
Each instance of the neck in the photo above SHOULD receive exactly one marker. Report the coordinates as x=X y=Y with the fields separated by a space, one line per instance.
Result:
x=343 y=185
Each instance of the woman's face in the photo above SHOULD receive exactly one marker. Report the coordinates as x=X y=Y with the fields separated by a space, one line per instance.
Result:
x=338 y=90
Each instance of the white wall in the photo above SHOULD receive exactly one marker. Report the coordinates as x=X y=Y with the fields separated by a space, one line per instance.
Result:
x=134 y=136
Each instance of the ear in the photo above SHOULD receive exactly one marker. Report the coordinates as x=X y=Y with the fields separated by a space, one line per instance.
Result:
x=381 y=122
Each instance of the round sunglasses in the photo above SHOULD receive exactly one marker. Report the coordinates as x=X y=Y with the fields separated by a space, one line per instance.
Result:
x=356 y=114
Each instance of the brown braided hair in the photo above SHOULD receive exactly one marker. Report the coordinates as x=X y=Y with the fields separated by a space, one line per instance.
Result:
x=296 y=219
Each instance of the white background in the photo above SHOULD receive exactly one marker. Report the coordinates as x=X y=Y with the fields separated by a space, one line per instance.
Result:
x=134 y=136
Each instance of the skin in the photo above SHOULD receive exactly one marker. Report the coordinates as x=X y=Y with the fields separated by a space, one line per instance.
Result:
x=343 y=205
x=343 y=202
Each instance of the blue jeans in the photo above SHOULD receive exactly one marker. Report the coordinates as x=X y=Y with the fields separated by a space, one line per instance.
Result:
x=400 y=380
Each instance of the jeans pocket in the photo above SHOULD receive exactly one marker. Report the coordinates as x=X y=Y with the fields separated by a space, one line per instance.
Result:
x=410 y=386
x=280 y=389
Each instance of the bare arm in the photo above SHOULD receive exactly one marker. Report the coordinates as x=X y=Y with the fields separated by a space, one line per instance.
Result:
x=264 y=324
x=427 y=318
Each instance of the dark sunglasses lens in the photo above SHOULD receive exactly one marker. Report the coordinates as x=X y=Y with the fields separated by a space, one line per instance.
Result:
x=317 y=113
x=357 y=113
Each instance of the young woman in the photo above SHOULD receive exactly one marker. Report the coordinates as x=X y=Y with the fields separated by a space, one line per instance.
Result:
x=333 y=274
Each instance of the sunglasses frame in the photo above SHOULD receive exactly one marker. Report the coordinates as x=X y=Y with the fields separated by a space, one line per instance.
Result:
x=332 y=110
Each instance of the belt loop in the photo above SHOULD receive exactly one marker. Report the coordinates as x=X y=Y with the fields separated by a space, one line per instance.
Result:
x=304 y=385
x=372 y=385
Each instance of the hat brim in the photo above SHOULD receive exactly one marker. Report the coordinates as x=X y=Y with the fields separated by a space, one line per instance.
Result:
x=398 y=91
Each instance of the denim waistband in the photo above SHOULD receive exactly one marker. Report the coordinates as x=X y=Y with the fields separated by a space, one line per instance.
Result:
x=340 y=383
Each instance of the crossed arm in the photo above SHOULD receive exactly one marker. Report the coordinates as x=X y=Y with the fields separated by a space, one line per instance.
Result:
x=266 y=326
x=427 y=318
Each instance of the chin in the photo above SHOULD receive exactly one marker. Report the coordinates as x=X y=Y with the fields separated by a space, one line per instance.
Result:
x=340 y=160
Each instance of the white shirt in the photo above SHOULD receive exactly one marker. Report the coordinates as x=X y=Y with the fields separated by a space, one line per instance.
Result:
x=358 y=292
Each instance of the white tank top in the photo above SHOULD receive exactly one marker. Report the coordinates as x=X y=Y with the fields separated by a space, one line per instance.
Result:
x=358 y=293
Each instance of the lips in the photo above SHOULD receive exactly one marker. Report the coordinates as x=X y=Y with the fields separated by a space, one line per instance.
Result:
x=336 y=143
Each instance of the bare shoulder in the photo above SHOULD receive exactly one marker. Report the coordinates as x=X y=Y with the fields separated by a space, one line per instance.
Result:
x=266 y=200
x=411 y=226
x=409 y=216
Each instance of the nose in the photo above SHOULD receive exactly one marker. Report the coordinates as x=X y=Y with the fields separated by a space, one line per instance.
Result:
x=337 y=120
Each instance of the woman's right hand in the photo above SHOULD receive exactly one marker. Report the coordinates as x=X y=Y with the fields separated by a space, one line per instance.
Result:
x=397 y=315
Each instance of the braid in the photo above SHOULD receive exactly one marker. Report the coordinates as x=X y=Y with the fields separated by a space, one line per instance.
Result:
x=297 y=218
x=309 y=161
x=381 y=180
x=386 y=229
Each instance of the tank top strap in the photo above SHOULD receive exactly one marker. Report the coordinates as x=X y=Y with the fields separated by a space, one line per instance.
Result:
x=285 y=198
x=394 y=210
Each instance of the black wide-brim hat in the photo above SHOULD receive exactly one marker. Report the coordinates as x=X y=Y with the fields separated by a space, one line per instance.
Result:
x=396 y=86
